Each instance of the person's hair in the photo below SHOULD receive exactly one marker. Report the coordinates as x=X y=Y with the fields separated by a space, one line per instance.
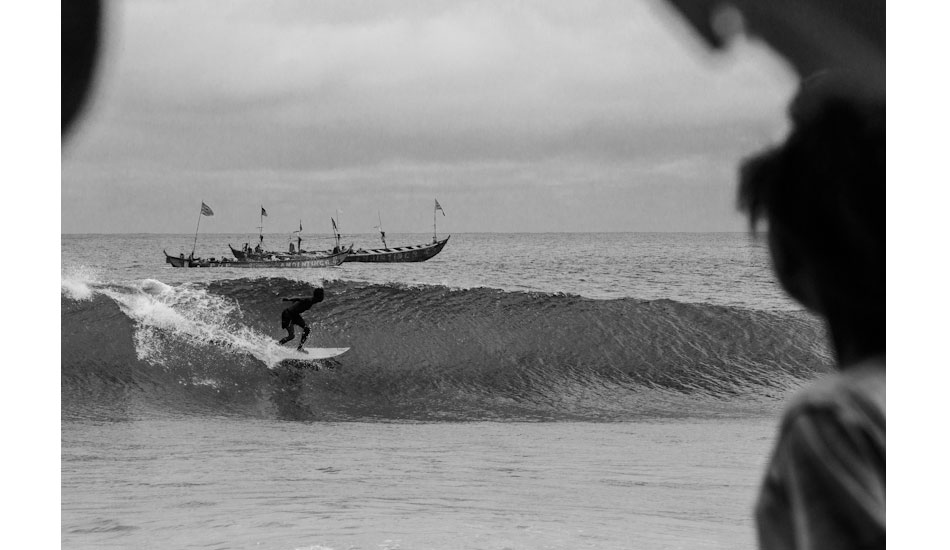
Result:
x=823 y=195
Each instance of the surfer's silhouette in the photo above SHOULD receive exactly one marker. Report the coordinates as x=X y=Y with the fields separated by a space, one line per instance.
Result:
x=291 y=316
x=823 y=195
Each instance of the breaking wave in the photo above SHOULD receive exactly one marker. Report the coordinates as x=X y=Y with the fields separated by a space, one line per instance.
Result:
x=421 y=353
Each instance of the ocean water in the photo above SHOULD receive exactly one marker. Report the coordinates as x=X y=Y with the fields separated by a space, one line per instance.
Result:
x=516 y=391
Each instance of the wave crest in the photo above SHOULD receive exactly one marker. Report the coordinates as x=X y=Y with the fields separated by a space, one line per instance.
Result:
x=434 y=352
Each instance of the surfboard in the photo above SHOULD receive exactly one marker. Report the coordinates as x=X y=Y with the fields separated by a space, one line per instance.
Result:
x=313 y=354
x=312 y=359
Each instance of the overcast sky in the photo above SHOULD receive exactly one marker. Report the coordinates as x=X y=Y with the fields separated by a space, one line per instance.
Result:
x=517 y=116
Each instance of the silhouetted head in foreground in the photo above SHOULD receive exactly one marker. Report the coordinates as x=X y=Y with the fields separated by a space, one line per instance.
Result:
x=80 y=48
x=318 y=294
x=822 y=194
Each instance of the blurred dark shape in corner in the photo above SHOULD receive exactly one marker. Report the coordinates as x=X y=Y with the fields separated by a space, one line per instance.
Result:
x=81 y=20
x=815 y=36
x=823 y=195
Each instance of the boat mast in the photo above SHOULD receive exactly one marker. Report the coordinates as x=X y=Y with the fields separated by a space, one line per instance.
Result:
x=435 y=207
x=382 y=234
x=336 y=232
x=261 y=228
x=299 y=231
x=193 y=246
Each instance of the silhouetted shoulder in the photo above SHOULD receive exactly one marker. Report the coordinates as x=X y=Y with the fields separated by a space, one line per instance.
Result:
x=825 y=484
x=858 y=391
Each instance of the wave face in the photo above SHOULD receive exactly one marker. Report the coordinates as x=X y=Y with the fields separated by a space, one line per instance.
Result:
x=422 y=353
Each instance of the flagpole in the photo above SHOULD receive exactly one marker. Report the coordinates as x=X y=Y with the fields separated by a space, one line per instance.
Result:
x=336 y=228
x=434 y=237
x=193 y=246
x=261 y=235
x=382 y=234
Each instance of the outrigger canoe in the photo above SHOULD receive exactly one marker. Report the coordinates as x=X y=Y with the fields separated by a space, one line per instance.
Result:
x=414 y=253
x=272 y=261
x=251 y=255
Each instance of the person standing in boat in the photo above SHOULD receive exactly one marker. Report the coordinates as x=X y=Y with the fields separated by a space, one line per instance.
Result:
x=291 y=316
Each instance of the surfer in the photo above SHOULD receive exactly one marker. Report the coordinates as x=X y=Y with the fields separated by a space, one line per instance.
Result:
x=291 y=316
x=823 y=195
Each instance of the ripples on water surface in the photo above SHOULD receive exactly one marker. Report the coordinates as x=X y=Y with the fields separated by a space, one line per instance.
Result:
x=516 y=391
x=225 y=483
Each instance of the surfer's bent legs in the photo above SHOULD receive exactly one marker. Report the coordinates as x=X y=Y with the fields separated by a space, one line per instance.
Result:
x=290 y=335
x=303 y=337
x=287 y=321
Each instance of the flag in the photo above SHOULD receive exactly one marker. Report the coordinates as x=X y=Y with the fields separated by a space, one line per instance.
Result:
x=335 y=230
x=439 y=206
x=263 y=212
x=301 y=225
x=206 y=210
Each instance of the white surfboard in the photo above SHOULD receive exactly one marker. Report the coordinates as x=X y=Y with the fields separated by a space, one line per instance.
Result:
x=314 y=359
x=313 y=354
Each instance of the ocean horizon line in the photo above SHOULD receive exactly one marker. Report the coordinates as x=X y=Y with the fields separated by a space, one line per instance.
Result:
x=75 y=234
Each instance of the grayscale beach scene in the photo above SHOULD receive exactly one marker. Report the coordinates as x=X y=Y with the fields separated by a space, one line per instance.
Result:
x=420 y=276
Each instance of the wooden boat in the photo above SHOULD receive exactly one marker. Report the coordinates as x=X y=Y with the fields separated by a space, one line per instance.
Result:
x=414 y=253
x=398 y=254
x=259 y=253
x=190 y=261
x=250 y=254
x=180 y=261
x=238 y=254
x=274 y=261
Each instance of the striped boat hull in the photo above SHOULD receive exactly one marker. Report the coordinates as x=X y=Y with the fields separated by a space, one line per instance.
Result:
x=330 y=260
x=417 y=253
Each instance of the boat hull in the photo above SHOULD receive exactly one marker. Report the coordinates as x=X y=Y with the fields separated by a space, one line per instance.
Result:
x=401 y=254
x=251 y=256
x=239 y=254
x=180 y=261
x=293 y=263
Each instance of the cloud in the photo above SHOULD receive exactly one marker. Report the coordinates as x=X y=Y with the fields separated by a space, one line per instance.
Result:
x=374 y=96
x=534 y=73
